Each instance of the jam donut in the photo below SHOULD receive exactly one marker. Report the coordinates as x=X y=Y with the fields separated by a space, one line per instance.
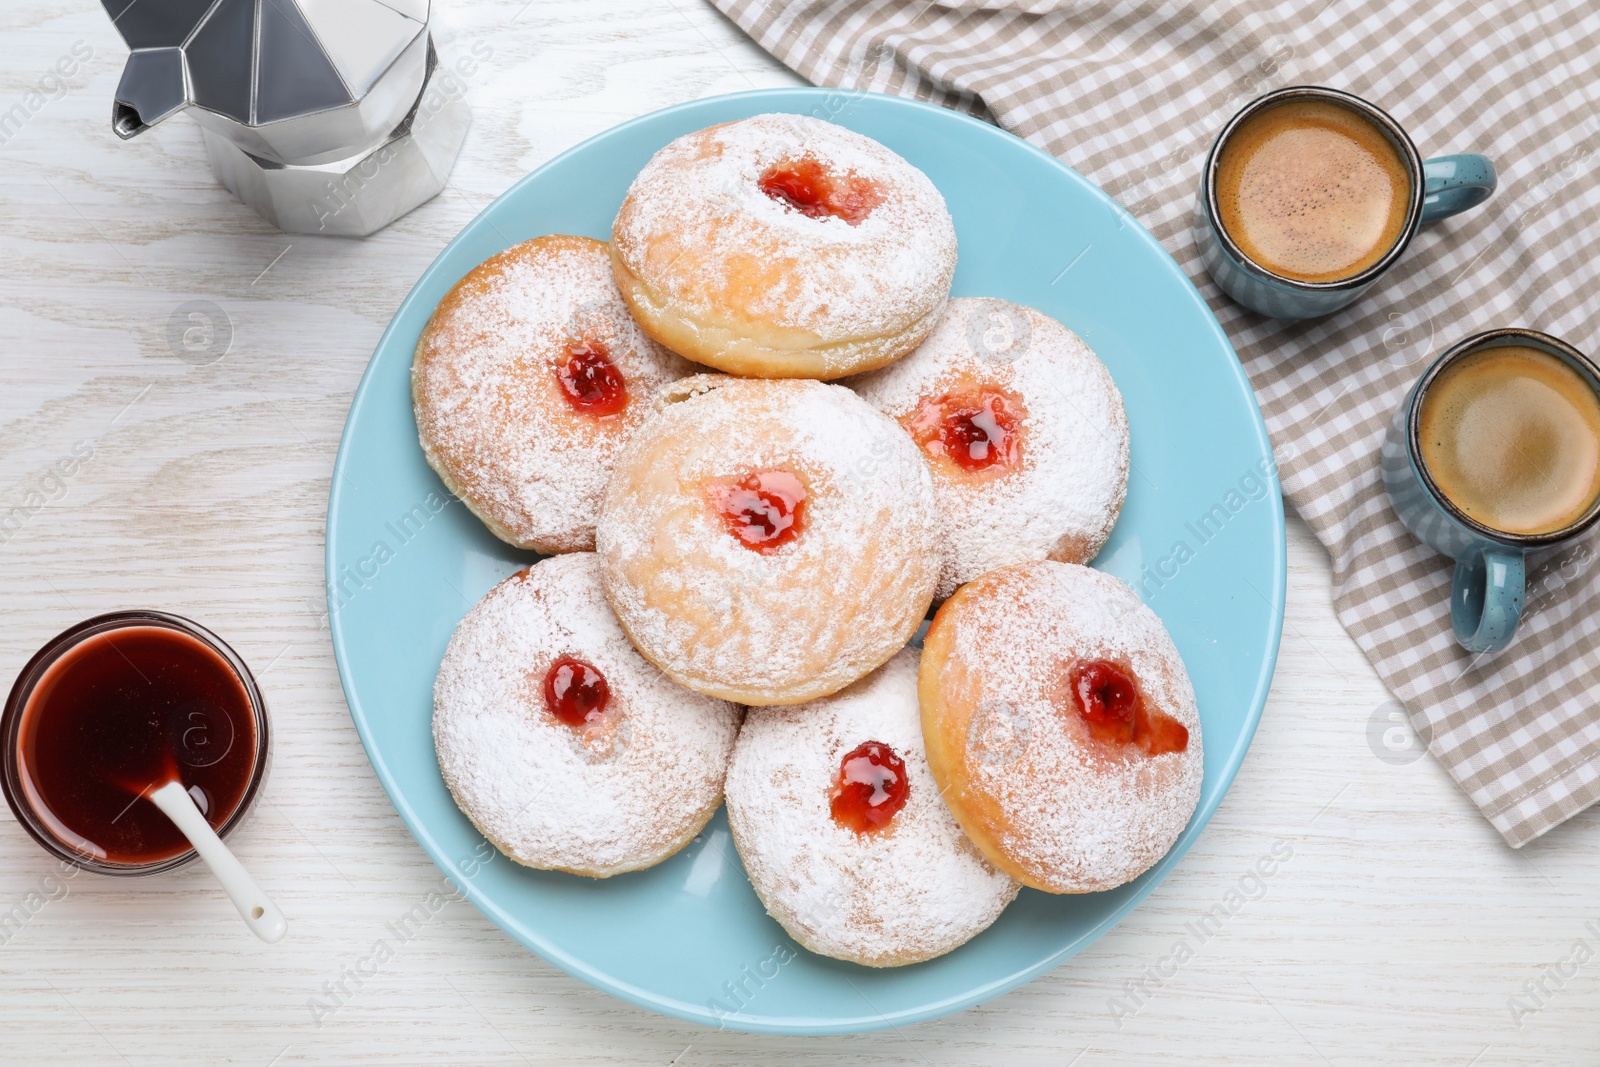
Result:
x=566 y=749
x=842 y=831
x=1024 y=430
x=782 y=246
x=1060 y=725
x=527 y=381
x=768 y=541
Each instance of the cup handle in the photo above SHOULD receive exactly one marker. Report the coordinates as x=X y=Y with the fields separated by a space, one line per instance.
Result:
x=1486 y=599
x=1452 y=184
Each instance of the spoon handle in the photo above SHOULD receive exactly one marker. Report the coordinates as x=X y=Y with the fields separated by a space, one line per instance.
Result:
x=257 y=910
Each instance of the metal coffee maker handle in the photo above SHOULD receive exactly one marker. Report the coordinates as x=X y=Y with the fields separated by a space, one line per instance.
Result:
x=325 y=116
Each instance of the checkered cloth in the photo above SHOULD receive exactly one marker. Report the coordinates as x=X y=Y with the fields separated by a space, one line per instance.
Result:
x=1131 y=92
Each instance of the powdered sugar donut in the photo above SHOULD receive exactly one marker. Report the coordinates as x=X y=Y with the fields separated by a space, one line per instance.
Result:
x=566 y=749
x=841 y=829
x=782 y=246
x=1024 y=430
x=527 y=381
x=766 y=541
x=1060 y=725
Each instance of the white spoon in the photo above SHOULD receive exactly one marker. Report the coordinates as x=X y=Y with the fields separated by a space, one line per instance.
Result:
x=259 y=913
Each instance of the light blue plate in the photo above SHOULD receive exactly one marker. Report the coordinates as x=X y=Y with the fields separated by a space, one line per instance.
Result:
x=1201 y=537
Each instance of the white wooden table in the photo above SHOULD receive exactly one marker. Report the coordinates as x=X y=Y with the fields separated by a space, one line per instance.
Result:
x=1399 y=930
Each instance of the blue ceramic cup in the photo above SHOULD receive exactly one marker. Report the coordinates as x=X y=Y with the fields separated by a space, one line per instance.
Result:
x=1440 y=187
x=1486 y=595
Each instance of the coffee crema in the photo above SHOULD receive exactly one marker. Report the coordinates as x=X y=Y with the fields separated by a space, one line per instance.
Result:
x=1312 y=191
x=1511 y=436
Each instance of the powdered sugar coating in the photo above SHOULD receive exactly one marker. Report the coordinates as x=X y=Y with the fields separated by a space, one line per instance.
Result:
x=1018 y=767
x=618 y=795
x=807 y=619
x=1064 y=499
x=698 y=241
x=910 y=892
x=490 y=412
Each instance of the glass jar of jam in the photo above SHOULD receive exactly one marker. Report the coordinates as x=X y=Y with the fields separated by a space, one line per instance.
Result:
x=114 y=707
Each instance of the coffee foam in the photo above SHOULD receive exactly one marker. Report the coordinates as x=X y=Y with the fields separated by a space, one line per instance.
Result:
x=1312 y=191
x=1511 y=435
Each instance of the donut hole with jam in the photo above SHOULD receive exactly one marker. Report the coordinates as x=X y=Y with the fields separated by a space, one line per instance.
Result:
x=977 y=429
x=1106 y=697
x=809 y=186
x=591 y=382
x=870 y=788
x=763 y=511
x=577 y=694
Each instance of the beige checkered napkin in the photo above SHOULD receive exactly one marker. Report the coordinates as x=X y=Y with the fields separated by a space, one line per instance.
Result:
x=1131 y=92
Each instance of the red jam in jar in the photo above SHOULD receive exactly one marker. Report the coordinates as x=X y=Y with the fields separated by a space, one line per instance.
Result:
x=117 y=713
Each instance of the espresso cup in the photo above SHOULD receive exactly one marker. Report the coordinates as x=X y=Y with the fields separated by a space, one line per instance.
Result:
x=1497 y=469
x=1347 y=156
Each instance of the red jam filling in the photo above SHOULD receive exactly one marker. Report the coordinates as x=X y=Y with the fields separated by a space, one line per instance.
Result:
x=575 y=692
x=978 y=429
x=807 y=186
x=592 y=384
x=871 y=788
x=1108 y=702
x=764 y=511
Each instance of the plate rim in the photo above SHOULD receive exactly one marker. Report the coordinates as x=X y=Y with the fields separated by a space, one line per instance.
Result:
x=784 y=99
